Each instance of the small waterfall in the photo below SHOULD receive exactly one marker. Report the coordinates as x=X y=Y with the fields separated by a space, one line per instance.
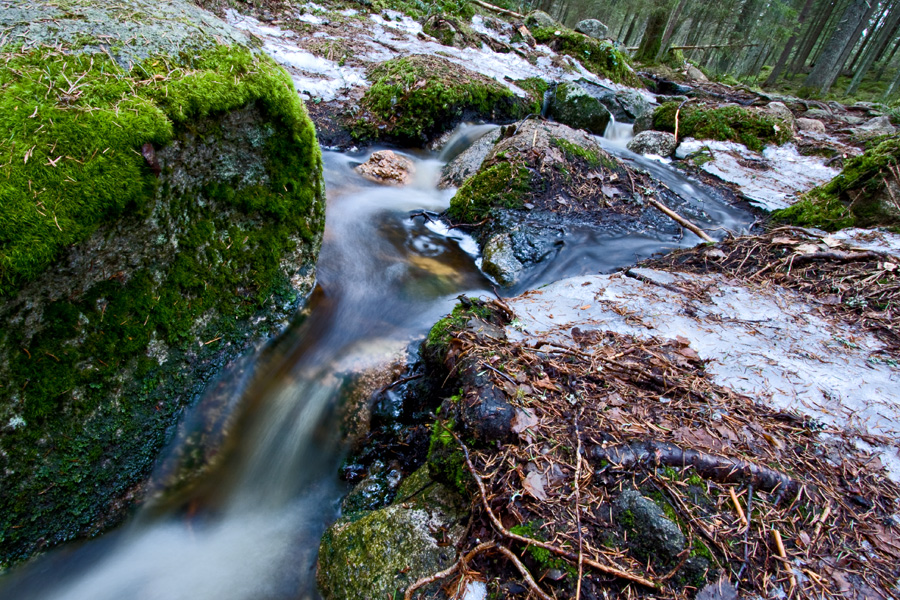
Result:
x=545 y=105
x=464 y=136
x=618 y=134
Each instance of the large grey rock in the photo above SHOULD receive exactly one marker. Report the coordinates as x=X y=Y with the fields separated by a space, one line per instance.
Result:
x=875 y=127
x=650 y=533
x=593 y=28
x=193 y=221
x=626 y=105
x=540 y=19
x=572 y=105
x=695 y=74
x=384 y=551
x=466 y=163
x=660 y=143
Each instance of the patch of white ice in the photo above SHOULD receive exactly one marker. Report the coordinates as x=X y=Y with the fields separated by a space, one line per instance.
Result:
x=314 y=76
x=875 y=240
x=769 y=180
x=767 y=343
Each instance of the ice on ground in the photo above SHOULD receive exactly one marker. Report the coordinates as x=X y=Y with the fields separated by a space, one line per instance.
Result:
x=313 y=76
x=769 y=180
x=875 y=240
x=770 y=344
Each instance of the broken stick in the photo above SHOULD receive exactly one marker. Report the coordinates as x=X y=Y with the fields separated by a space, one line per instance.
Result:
x=680 y=220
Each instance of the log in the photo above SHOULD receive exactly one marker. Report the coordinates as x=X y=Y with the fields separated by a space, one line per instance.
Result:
x=497 y=9
x=681 y=220
x=718 y=468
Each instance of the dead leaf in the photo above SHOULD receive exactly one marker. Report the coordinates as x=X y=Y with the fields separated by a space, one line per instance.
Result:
x=698 y=438
x=784 y=241
x=615 y=399
x=609 y=191
x=534 y=485
x=831 y=242
x=807 y=248
x=523 y=419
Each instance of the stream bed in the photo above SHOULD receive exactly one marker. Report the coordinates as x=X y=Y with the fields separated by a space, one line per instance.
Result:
x=385 y=275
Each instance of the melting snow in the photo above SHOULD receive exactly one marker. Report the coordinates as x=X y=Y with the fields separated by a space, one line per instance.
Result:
x=768 y=343
x=770 y=180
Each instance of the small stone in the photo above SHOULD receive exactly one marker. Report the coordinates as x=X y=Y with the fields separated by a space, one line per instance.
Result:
x=650 y=533
x=660 y=143
x=387 y=168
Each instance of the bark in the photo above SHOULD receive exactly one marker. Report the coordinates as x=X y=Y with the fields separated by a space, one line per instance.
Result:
x=892 y=88
x=884 y=65
x=670 y=29
x=812 y=35
x=880 y=40
x=788 y=47
x=830 y=59
x=722 y=469
x=656 y=25
x=848 y=48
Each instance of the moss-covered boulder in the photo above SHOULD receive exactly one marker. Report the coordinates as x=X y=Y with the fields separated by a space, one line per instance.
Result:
x=415 y=97
x=866 y=193
x=377 y=554
x=161 y=208
x=572 y=105
x=600 y=57
x=755 y=129
x=451 y=31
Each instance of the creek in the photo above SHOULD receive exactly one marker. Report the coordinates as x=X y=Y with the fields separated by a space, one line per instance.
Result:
x=385 y=275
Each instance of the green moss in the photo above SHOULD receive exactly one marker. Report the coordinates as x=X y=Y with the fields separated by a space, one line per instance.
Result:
x=97 y=409
x=417 y=9
x=536 y=88
x=851 y=198
x=439 y=336
x=446 y=461
x=732 y=123
x=574 y=152
x=598 y=56
x=414 y=97
x=500 y=185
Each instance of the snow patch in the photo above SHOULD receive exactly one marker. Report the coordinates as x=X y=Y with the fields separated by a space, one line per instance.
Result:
x=769 y=180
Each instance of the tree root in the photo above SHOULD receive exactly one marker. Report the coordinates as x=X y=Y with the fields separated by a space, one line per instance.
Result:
x=533 y=542
x=718 y=468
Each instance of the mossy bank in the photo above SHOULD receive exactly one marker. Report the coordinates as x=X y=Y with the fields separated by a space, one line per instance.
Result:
x=161 y=208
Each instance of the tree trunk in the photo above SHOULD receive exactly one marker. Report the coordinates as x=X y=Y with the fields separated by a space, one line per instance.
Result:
x=888 y=93
x=670 y=29
x=887 y=62
x=880 y=40
x=829 y=61
x=788 y=47
x=656 y=25
x=848 y=48
x=812 y=36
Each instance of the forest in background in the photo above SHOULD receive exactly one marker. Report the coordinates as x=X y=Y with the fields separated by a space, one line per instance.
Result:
x=842 y=49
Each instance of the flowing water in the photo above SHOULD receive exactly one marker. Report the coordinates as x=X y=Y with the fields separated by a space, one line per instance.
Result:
x=385 y=275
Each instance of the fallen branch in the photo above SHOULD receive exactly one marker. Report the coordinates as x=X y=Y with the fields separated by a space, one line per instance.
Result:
x=528 y=578
x=718 y=468
x=680 y=220
x=498 y=10
x=533 y=542
x=463 y=560
x=837 y=256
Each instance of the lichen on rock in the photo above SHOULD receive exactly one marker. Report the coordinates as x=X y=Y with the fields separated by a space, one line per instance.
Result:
x=161 y=207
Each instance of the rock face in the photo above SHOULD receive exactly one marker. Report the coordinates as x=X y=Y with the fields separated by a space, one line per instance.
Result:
x=660 y=143
x=572 y=105
x=593 y=28
x=184 y=228
x=376 y=554
x=388 y=168
x=875 y=127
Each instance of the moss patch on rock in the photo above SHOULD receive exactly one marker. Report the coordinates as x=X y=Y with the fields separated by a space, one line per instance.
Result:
x=727 y=123
x=153 y=222
x=415 y=97
x=866 y=193
x=598 y=56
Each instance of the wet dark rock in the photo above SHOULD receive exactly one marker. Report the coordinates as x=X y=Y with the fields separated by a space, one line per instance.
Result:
x=660 y=143
x=625 y=105
x=651 y=534
x=517 y=247
x=572 y=105
x=593 y=28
